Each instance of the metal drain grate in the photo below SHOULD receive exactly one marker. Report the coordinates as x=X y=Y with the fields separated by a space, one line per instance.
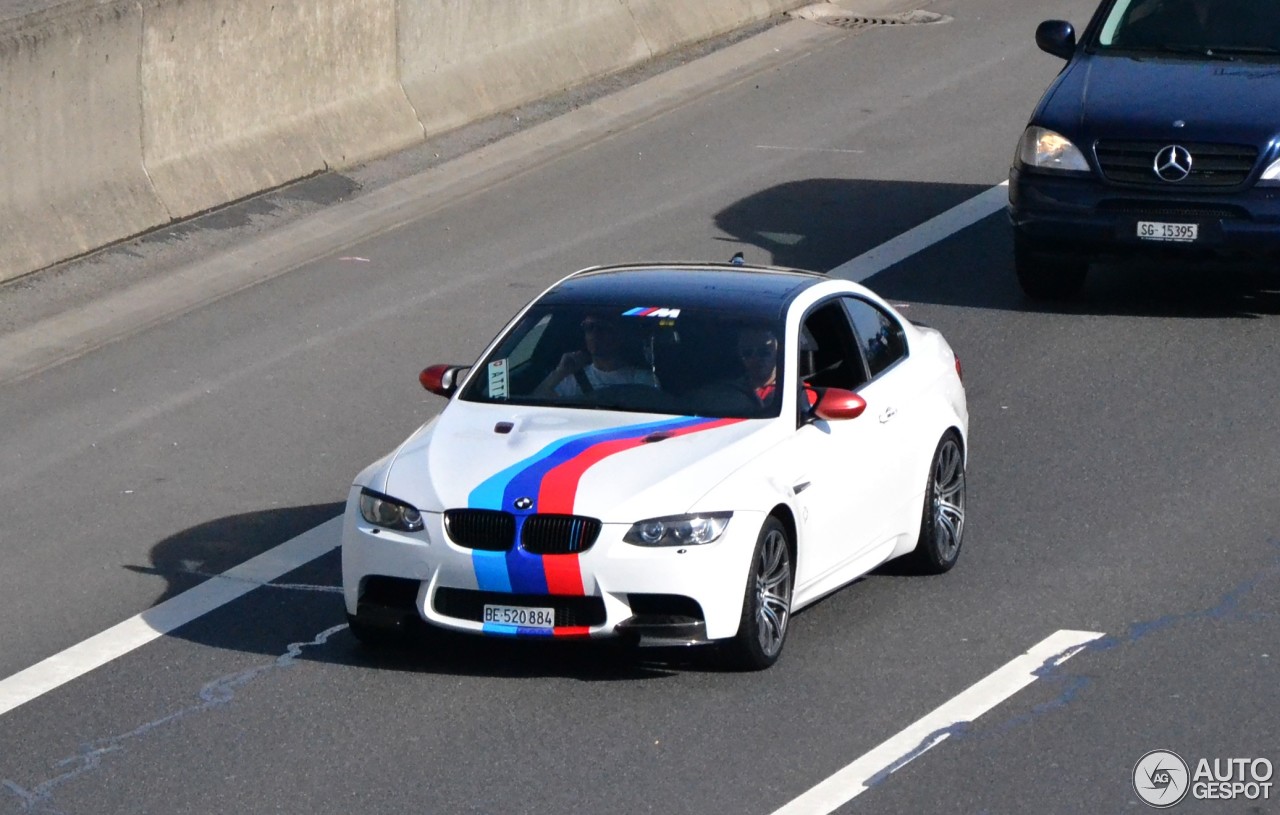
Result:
x=906 y=18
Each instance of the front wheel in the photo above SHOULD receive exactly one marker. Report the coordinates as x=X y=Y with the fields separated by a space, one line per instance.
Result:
x=1047 y=275
x=942 y=521
x=377 y=637
x=766 y=608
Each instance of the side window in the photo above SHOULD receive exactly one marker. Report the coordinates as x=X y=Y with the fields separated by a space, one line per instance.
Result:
x=827 y=350
x=879 y=336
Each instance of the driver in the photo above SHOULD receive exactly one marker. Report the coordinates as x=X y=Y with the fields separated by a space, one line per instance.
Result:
x=606 y=361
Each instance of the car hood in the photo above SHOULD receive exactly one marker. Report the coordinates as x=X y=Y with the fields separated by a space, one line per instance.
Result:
x=1108 y=96
x=618 y=467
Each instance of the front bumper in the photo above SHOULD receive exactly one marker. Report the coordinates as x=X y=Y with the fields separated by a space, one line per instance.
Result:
x=1082 y=215
x=664 y=595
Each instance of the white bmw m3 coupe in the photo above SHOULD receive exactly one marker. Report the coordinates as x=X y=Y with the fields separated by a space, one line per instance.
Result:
x=669 y=454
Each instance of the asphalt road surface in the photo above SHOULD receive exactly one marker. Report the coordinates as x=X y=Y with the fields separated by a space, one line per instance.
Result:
x=1122 y=481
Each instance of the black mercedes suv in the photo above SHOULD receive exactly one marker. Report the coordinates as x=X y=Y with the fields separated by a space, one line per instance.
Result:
x=1161 y=136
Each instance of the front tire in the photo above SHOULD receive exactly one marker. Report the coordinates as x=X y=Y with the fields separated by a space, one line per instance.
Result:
x=766 y=607
x=377 y=637
x=1047 y=275
x=942 y=520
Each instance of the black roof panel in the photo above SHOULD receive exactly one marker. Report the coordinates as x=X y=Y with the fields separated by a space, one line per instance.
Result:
x=735 y=289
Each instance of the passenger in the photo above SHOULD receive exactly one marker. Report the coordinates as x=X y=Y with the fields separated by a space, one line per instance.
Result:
x=758 y=350
x=608 y=360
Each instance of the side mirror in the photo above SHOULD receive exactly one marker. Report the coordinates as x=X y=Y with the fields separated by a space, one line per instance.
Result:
x=837 y=403
x=1056 y=37
x=442 y=380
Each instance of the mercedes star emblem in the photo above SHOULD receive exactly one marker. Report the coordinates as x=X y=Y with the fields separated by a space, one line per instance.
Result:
x=1173 y=163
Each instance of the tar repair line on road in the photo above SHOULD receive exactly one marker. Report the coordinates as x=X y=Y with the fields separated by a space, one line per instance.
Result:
x=918 y=738
x=168 y=616
x=175 y=612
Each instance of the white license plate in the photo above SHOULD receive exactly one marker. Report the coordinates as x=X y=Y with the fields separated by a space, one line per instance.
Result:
x=1160 y=231
x=521 y=616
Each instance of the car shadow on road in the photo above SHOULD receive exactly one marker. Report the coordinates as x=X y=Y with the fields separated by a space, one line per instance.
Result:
x=193 y=555
x=302 y=612
x=820 y=223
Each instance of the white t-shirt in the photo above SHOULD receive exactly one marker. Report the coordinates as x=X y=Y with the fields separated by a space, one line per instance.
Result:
x=603 y=379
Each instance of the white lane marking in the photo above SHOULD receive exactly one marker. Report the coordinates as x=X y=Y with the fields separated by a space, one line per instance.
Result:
x=173 y=613
x=923 y=236
x=141 y=629
x=909 y=744
x=807 y=149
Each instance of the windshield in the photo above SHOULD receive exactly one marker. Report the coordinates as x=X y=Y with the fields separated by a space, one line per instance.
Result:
x=1222 y=29
x=667 y=359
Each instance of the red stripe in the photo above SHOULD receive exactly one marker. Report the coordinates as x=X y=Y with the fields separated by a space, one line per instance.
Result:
x=563 y=575
x=558 y=492
x=571 y=631
x=559 y=487
x=647 y=311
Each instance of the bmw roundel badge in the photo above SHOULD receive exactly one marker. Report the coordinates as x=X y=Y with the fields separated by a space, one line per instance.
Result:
x=524 y=503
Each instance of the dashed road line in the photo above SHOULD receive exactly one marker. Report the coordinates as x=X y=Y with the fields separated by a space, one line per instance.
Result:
x=168 y=616
x=932 y=729
x=918 y=239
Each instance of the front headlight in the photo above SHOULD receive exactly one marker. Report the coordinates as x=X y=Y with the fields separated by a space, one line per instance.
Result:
x=1271 y=175
x=679 y=530
x=384 y=511
x=1046 y=150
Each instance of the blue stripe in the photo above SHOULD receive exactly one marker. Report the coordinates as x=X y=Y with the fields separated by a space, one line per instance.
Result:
x=490 y=494
x=491 y=571
x=633 y=312
x=517 y=571
x=525 y=570
x=506 y=630
x=528 y=481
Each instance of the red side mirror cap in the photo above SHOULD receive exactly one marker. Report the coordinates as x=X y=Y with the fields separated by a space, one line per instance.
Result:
x=441 y=380
x=838 y=403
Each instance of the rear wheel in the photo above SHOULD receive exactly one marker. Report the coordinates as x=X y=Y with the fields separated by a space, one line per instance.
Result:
x=766 y=608
x=1045 y=274
x=942 y=521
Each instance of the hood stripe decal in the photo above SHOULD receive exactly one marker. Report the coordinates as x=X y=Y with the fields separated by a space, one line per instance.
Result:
x=559 y=487
x=551 y=477
x=525 y=477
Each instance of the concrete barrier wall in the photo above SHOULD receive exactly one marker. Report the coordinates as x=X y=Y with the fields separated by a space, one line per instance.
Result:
x=243 y=95
x=117 y=116
x=71 y=174
x=670 y=24
x=465 y=59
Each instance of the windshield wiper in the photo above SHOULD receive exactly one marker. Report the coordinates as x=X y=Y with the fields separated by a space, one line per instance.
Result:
x=1246 y=50
x=1195 y=50
x=1141 y=51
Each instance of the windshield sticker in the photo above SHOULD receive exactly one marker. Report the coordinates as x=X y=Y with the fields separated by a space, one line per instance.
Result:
x=652 y=311
x=498 y=379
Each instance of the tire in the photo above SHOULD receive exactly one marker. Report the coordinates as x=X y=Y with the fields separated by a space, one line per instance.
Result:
x=766 y=606
x=942 y=518
x=376 y=636
x=1047 y=275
